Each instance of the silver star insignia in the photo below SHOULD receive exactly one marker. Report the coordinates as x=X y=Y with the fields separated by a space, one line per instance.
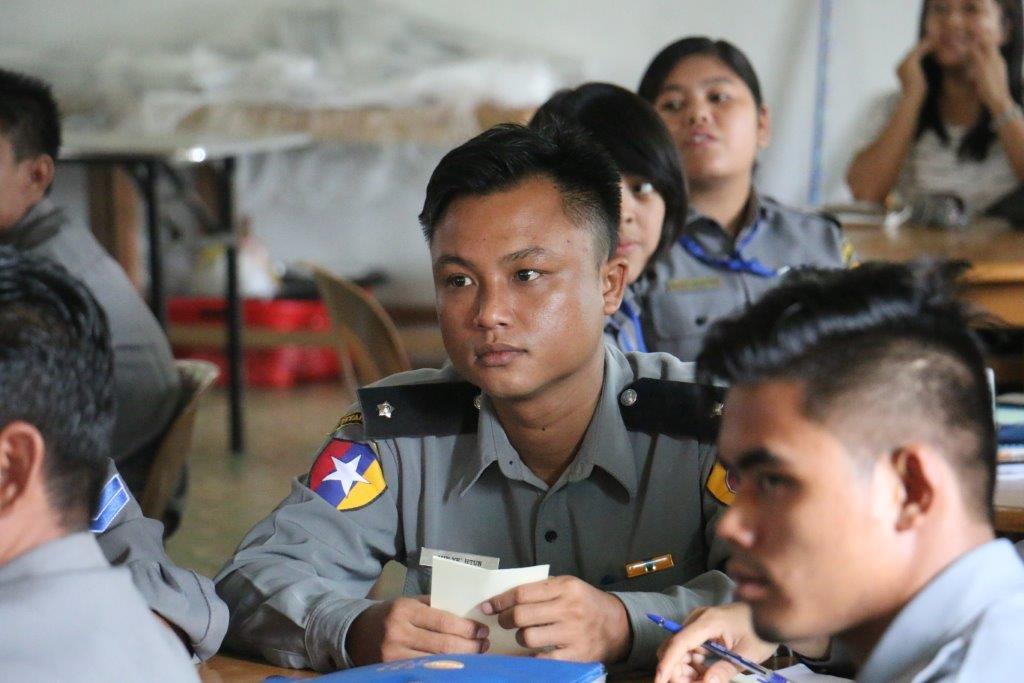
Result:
x=385 y=410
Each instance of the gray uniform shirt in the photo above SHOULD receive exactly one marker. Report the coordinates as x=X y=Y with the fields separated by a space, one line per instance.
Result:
x=181 y=596
x=146 y=384
x=636 y=490
x=67 y=615
x=682 y=295
x=967 y=624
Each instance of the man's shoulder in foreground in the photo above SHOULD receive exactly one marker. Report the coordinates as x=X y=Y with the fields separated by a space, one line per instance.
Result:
x=70 y=616
x=965 y=625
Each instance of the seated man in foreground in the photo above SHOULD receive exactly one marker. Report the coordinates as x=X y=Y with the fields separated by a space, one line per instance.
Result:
x=536 y=445
x=859 y=425
x=65 y=613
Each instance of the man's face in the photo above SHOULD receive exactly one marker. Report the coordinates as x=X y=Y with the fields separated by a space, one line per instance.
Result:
x=19 y=185
x=814 y=551
x=521 y=296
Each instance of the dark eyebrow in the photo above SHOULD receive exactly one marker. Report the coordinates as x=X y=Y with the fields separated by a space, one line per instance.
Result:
x=524 y=253
x=756 y=457
x=451 y=259
x=707 y=81
x=527 y=252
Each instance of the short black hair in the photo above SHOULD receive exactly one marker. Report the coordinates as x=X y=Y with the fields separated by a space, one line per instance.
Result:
x=633 y=134
x=661 y=66
x=29 y=117
x=507 y=154
x=55 y=374
x=884 y=351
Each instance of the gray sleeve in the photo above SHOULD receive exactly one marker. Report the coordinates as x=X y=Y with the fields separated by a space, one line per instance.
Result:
x=710 y=588
x=300 y=578
x=181 y=596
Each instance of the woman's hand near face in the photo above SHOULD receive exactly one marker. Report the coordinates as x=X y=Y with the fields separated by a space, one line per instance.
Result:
x=987 y=70
x=911 y=73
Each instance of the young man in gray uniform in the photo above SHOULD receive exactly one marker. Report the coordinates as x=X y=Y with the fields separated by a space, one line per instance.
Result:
x=146 y=383
x=709 y=274
x=537 y=444
x=859 y=424
x=65 y=613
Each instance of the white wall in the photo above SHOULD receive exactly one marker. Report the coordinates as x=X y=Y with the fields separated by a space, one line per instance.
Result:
x=613 y=41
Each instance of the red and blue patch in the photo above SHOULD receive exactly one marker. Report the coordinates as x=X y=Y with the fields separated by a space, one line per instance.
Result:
x=347 y=474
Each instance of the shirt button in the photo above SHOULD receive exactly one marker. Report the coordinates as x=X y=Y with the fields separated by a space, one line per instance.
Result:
x=701 y=320
x=550 y=535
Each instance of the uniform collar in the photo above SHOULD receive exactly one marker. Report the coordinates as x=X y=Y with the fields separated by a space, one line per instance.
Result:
x=606 y=443
x=944 y=608
x=39 y=224
x=712 y=236
x=74 y=552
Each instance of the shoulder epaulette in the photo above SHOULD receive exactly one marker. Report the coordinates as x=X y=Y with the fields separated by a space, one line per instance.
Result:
x=437 y=409
x=677 y=408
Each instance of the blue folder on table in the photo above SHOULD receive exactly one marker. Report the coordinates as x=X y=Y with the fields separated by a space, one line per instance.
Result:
x=496 y=668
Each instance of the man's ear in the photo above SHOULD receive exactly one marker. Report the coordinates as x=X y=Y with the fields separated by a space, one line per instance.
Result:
x=21 y=460
x=613 y=282
x=40 y=175
x=917 y=471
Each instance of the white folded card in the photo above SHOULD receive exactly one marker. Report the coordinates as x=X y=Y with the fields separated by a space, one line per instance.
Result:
x=460 y=588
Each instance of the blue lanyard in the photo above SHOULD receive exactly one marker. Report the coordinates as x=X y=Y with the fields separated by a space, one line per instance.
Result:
x=735 y=263
x=625 y=340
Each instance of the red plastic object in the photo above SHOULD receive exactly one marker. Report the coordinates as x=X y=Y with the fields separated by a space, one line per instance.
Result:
x=279 y=367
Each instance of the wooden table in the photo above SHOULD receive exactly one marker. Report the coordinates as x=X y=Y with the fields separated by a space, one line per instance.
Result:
x=995 y=281
x=225 y=669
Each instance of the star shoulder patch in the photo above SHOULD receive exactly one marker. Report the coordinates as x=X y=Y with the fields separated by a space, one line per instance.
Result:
x=347 y=474
x=722 y=484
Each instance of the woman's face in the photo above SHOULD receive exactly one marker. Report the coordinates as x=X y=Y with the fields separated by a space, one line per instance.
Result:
x=640 y=225
x=714 y=120
x=954 y=25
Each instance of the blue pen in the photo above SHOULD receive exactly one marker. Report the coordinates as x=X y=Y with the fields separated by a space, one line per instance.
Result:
x=762 y=674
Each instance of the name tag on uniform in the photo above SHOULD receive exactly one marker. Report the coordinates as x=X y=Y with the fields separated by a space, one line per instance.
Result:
x=427 y=556
x=655 y=564
x=694 y=284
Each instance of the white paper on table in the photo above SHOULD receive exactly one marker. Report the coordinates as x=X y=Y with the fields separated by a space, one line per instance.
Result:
x=460 y=588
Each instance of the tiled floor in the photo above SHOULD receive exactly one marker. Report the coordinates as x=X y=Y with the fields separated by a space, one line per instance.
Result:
x=228 y=495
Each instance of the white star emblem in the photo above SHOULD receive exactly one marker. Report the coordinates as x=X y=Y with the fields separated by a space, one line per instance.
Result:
x=346 y=473
x=385 y=410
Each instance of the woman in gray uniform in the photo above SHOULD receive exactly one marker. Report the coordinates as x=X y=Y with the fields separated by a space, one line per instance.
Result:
x=652 y=189
x=735 y=243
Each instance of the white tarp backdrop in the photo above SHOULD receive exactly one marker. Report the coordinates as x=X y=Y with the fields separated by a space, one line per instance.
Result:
x=362 y=214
